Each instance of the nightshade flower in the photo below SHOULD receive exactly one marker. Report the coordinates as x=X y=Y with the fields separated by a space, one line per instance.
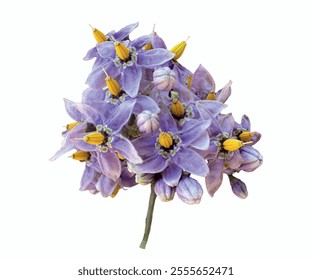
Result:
x=127 y=59
x=170 y=151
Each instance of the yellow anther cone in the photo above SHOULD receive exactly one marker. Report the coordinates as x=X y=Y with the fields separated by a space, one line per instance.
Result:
x=177 y=109
x=94 y=138
x=121 y=50
x=165 y=139
x=232 y=145
x=80 y=155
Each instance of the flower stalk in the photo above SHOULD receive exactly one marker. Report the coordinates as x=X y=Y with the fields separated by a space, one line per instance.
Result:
x=149 y=216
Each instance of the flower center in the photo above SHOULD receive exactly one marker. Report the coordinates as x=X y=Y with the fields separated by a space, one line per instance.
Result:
x=165 y=140
x=81 y=155
x=94 y=138
x=122 y=51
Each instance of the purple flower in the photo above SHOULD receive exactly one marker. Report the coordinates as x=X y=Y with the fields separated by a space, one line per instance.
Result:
x=170 y=151
x=127 y=63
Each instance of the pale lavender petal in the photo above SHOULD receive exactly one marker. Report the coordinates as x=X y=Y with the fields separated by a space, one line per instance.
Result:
x=202 y=81
x=130 y=80
x=189 y=191
x=127 y=179
x=154 y=164
x=63 y=150
x=166 y=121
x=252 y=159
x=72 y=111
x=256 y=137
x=121 y=116
x=125 y=31
x=109 y=164
x=202 y=142
x=157 y=42
x=124 y=147
x=214 y=178
x=80 y=144
x=190 y=135
x=153 y=58
x=234 y=160
x=224 y=93
x=144 y=102
x=106 y=186
x=191 y=161
x=211 y=108
x=106 y=49
x=245 y=122
x=92 y=53
x=140 y=42
x=88 y=177
x=163 y=191
x=96 y=79
x=227 y=123
x=145 y=145
x=172 y=174
x=89 y=113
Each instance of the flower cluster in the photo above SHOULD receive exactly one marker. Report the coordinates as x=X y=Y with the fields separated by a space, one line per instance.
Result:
x=146 y=119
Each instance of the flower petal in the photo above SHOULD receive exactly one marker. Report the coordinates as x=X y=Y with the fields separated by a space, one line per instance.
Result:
x=124 y=32
x=109 y=164
x=72 y=111
x=172 y=174
x=191 y=134
x=224 y=94
x=89 y=113
x=145 y=145
x=121 y=116
x=227 y=123
x=88 y=177
x=140 y=42
x=191 y=161
x=144 y=102
x=124 y=147
x=215 y=176
x=106 y=186
x=245 y=122
x=106 y=49
x=154 y=164
x=155 y=57
x=202 y=81
x=92 y=53
x=166 y=121
x=130 y=80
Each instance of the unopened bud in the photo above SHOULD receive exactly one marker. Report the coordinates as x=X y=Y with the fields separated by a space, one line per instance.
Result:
x=238 y=187
x=189 y=191
x=164 y=79
x=163 y=191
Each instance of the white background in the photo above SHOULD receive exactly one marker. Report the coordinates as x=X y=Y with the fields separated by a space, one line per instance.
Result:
x=49 y=229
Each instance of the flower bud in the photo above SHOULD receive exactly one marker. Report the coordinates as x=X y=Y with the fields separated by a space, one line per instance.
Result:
x=81 y=155
x=177 y=109
x=147 y=122
x=238 y=187
x=165 y=139
x=189 y=191
x=232 y=145
x=252 y=159
x=121 y=50
x=94 y=138
x=144 y=178
x=163 y=191
x=164 y=79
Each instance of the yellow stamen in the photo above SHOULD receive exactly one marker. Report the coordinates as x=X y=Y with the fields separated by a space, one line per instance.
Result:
x=165 y=139
x=98 y=35
x=80 y=155
x=70 y=126
x=211 y=96
x=116 y=190
x=246 y=136
x=178 y=49
x=148 y=46
x=232 y=145
x=94 y=138
x=177 y=108
x=113 y=86
x=120 y=156
x=121 y=50
x=189 y=81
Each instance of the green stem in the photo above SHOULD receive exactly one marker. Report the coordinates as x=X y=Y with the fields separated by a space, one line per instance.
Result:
x=149 y=216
